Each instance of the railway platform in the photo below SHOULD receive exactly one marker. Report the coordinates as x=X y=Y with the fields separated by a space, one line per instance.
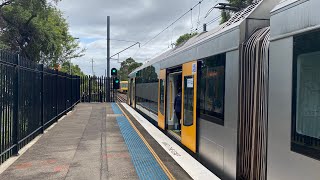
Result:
x=103 y=141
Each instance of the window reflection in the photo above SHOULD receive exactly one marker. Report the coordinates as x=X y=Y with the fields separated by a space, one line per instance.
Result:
x=306 y=95
x=188 y=100
x=162 y=82
x=147 y=88
x=212 y=87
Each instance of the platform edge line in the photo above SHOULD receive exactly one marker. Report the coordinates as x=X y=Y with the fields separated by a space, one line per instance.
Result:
x=162 y=165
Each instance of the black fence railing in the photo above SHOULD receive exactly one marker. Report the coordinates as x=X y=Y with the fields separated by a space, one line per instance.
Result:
x=32 y=98
x=97 y=89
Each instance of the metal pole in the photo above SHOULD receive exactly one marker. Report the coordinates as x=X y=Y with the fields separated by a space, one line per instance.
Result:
x=90 y=86
x=92 y=67
x=108 y=59
x=108 y=46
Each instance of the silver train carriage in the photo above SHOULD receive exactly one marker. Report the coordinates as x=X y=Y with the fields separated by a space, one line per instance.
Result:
x=250 y=93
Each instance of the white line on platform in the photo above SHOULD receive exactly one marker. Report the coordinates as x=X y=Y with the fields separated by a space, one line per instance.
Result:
x=195 y=169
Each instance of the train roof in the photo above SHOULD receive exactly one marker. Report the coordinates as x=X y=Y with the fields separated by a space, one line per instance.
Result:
x=293 y=17
x=283 y=4
x=229 y=31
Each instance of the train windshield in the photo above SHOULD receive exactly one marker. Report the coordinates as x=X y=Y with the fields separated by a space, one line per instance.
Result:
x=124 y=85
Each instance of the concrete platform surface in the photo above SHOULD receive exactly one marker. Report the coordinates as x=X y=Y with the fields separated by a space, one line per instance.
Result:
x=86 y=144
x=95 y=141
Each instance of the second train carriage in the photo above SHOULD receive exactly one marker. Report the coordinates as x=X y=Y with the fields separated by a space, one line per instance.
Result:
x=228 y=101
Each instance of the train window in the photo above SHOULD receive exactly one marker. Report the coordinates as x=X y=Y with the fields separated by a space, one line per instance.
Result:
x=211 y=88
x=188 y=101
x=162 y=96
x=306 y=95
x=123 y=85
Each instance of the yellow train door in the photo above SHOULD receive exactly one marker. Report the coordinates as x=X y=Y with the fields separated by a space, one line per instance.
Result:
x=162 y=99
x=189 y=105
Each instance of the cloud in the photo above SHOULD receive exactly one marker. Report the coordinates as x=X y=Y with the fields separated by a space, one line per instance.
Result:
x=136 y=20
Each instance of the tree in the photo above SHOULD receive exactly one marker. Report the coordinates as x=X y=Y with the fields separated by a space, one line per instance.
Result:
x=184 y=38
x=239 y=4
x=127 y=67
x=37 y=29
x=75 y=69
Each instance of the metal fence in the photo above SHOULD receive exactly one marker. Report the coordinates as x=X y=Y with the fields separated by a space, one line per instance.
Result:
x=32 y=97
x=96 y=89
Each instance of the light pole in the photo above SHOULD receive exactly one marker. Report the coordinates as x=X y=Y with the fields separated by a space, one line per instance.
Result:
x=108 y=46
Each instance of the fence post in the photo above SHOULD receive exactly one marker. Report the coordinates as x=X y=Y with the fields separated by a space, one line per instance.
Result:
x=70 y=91
x=42 y=99
x=15 y=137
x=111 y=89
x=89 y=89
x=107 y=89
x=79 y=88
x=66 y=92
x=57 y=94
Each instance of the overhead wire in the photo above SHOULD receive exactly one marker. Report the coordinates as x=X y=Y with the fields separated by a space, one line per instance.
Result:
x=158 y=53
x=122 y=40
x=207 y=14
x=172 y=23
x=179 y=18
x=213 y=20
x=210 y=10
x=175 y=21
x=191 y=21
x=171 y=44
x=198 y=22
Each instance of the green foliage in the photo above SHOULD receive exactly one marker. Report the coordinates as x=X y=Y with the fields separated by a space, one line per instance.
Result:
x=38 y=31
x=75 y=69
x=127 y=67
x=240 y=4
x=185 y=38
x=225 y=16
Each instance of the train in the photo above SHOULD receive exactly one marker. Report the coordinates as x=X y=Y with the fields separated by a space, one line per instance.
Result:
x=123 y=87
x=250 y=93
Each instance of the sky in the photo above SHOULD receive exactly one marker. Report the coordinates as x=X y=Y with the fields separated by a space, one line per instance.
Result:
x=131 y=20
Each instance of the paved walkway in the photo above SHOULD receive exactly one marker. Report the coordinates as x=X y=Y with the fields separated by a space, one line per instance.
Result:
x=86 y=144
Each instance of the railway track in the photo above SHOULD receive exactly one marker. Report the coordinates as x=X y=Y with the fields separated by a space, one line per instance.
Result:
x=122 y=97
